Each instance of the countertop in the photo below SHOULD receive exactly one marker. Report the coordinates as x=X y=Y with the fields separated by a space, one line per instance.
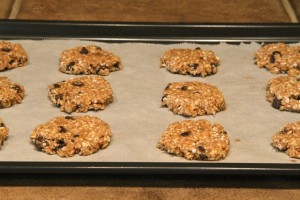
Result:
x=148 y=187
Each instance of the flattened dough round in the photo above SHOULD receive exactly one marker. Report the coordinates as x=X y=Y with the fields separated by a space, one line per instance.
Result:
x=81 y=94
x=193 y=98
x=284 y=93
x=195 y=140
x=195 y=62
x=10 y=93
x=288 y=139
x=89 y=60
x=66 y=136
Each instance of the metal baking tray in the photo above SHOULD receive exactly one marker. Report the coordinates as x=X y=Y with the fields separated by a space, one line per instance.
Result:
x=159 y=33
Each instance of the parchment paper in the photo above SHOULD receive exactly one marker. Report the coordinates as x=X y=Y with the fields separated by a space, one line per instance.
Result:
x=136 y=117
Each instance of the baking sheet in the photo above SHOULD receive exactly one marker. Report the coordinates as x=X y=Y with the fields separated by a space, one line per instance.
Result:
x=136 y=117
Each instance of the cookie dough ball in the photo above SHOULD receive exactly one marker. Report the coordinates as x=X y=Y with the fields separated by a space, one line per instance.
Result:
x=288 y=139
x=193 y=98
x=195 y=140
x=10 y=93
x=66 y=136
x=88 y=60
x=195 y=62
x=284 y=93
x=81 y=94
x=3 y=132
x=279 y=58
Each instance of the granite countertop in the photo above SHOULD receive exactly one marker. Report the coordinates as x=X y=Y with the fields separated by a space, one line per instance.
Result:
x=106 y=186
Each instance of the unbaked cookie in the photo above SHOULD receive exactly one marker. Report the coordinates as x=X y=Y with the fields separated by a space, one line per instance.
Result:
x=193 y=98
x=66 y=136
x=88 y=60
x=288 y=139
x=284 y=93
x=81 y=94
x=279 y=58
x=195 y=140
x=10 y=93
x=3 y=132
x=195 y=62
x=12 y=55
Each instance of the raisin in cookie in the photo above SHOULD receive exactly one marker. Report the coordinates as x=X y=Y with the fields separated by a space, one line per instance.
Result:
x=195 y=62
x=12 y=55
x=81 y=94
x=193 y=98
x=284 y=93
x=66 y=136
x=88 y=60
x=288 y=139
x=10 y=93
x=195 y=140
x=3 y=132
x=279 y=58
